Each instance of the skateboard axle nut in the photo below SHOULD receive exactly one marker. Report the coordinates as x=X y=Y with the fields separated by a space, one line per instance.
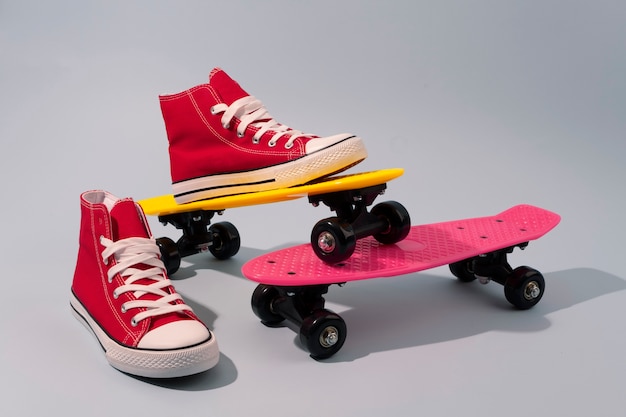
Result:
x=329 y=336
x=532 y=291
x=326 y=242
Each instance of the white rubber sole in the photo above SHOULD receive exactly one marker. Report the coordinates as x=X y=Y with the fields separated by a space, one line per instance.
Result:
x=150 y=363
x=324 y=162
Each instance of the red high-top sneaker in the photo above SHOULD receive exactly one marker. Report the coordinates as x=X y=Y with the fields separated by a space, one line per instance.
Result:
x=223 y=141
x=121 y=292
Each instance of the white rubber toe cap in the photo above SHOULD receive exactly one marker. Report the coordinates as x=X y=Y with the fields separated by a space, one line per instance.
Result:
x=316 y=144
x=175 y=335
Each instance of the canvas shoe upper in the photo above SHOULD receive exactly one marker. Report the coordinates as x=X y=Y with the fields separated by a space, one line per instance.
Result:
x=223 y=141
x=122 y=293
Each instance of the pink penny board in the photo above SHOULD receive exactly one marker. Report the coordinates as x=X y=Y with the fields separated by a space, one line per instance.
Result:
x=427 y=246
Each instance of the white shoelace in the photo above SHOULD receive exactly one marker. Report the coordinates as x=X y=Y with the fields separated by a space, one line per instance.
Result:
x=251 y=112
x=131 y=252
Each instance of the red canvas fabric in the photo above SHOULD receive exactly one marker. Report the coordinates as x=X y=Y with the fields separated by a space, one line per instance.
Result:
x=198 y=143
x=90 y=284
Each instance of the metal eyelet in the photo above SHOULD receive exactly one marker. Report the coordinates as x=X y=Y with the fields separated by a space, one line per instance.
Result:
x=213 y=110
x=288 y=145
x=226 y=125
x=240 y=135
x=115 y=295
x=133 y=322
x=271 y=144
x=256 y=141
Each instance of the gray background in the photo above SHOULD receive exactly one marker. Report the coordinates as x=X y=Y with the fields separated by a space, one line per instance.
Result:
x=486 y=104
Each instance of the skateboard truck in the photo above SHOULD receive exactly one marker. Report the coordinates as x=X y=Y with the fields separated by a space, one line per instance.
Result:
x=199 y=235
x=334 y=239
x=494 y=266
x=322 y=332
x=523 y=286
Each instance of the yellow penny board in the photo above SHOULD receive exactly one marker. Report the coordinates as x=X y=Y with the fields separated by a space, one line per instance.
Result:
x=165 y=204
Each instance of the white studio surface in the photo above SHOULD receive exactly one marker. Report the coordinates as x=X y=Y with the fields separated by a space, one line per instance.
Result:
x=485 y=104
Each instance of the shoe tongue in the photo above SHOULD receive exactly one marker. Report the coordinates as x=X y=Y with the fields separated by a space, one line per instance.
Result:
x=126 y=221
x=228 y=89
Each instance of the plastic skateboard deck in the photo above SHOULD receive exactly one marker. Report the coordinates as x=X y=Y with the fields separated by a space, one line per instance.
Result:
x=293 y=280
x=426 y=246
x=165 y=204
x=222 y=239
